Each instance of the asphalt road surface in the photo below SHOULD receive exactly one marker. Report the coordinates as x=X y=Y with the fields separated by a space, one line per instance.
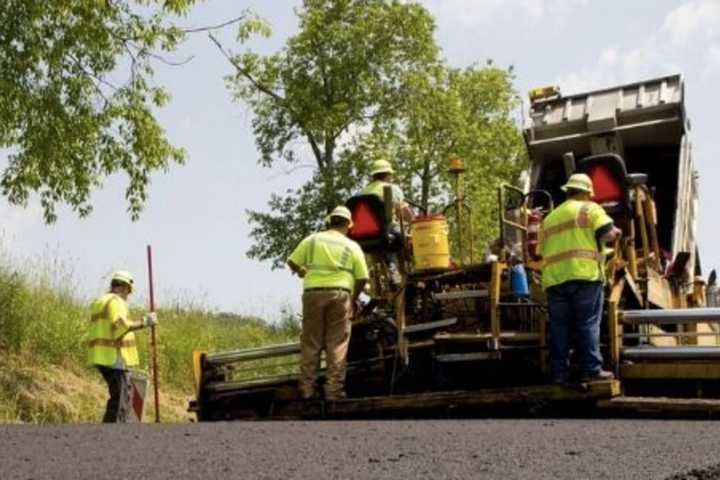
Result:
x=435 y=449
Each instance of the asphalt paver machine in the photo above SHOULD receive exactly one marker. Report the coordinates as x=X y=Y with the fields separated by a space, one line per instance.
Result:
x=464 y=335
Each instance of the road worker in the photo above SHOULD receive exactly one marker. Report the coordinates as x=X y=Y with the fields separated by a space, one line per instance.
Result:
x=111 y=343
x=573 y=238
x=381 y=174
x=334 y=272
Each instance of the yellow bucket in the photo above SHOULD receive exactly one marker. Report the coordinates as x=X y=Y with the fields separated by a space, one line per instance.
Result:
x=430 y=242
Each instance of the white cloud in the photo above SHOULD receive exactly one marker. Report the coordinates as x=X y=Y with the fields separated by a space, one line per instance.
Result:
x=688 y=41
x=478 y=13
x=693 y=20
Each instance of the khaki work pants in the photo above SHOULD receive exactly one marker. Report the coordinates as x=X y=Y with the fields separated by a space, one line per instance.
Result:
x=326 y=326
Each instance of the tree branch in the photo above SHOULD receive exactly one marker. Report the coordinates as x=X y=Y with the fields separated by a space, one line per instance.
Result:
x=93 y=75
x=288 y=171
x=281 y=101
x=315 y=149
x=158 y=57
x=245 y=74
x=215 y=27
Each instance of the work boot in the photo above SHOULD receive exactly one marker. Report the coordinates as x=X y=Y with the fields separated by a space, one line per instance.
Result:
x=597 y=377
x=335 y=396
x=307 y=393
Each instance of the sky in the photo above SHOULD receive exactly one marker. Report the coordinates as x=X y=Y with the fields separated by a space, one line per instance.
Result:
x=196 y=218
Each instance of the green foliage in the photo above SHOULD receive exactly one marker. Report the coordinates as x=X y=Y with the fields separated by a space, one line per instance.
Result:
x=361 y=80
x=66 y=118
x=342 y=71
x=456 y=113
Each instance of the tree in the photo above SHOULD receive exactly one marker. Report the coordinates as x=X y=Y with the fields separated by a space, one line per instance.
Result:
x=343 y=71
x=65 y=120
x=363 y=79
x=456 y=113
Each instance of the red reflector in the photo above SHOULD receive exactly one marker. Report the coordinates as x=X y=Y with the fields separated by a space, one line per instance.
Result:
x=606 y=187
x=365 y=223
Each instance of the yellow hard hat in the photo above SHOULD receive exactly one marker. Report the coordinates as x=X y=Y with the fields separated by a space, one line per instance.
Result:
x=124 y=277
x=342 y=212
x=579 y=182
x=381 y=166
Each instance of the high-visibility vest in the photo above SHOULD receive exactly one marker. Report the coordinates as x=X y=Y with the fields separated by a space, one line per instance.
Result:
x=569 y=246
x=377 y=187
x=332 y=260
x=110 y=341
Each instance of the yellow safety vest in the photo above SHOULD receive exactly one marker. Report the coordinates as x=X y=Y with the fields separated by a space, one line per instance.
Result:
x=332 y=260
x=568 y=243
x=377 y=187
x=110 y=341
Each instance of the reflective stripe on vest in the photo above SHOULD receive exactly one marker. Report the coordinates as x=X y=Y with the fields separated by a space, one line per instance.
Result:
x=99 y=316
x=344 y=257
x=569 y=247
x=580 y=254
x=105 y=342
x=580 y=221
x=103 y=346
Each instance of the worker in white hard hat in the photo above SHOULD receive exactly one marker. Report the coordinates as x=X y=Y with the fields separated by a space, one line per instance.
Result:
x=382 y=174
x=572 y=247
x=111 y=343
x=334 y=273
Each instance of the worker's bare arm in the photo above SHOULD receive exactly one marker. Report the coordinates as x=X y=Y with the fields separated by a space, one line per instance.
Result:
x=359 y=287
x=300 y=271
x=149 y=320
x=613 y=234
x=406 y=212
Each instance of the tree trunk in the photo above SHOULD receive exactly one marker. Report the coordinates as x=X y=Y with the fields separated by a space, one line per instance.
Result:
x=426 y=179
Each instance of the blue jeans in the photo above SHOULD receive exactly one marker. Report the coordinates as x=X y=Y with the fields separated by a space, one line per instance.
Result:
x=575 y=312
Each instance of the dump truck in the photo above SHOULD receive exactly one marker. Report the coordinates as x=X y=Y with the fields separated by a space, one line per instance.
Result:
x=468 y=336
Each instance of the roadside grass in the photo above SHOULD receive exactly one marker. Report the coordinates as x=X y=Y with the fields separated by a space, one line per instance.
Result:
x=43 y=323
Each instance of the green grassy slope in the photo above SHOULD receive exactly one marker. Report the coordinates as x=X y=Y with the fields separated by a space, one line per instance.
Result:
x=43 y=376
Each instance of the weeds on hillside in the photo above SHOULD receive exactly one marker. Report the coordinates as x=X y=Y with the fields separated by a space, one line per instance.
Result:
x=40 y=318
x=44 y=322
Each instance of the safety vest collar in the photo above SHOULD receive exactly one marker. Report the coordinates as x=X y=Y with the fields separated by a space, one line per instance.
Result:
x=104 y=311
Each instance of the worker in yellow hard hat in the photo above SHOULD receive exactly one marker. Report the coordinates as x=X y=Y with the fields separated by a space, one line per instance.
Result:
x=334 y=273
x=572 y=244
x=382 y=175
x=111 y=343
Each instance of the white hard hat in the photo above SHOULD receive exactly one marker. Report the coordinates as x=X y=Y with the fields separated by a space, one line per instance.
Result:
x=341 y=212
x=381 y=166
x=125 y=277
x=579 y=182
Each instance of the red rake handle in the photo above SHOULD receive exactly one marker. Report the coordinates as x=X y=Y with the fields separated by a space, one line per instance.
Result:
x=153 y=339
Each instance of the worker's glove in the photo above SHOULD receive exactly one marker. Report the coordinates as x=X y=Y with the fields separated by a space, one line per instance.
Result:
x=150 y=320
